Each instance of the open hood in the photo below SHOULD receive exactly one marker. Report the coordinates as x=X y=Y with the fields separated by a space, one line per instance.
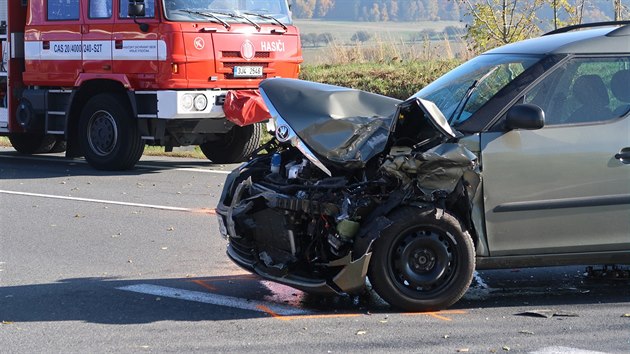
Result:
x=347 y=127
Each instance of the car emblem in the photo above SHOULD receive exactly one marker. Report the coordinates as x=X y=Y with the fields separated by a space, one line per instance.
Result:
x=247 y=50
x=199 y=43
x=282 y=133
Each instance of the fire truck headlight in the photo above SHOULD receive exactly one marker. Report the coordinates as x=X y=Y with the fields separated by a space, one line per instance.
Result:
x=201 y=102
x=187 y=102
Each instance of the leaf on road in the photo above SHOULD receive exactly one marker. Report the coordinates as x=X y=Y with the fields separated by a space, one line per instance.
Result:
x=506 y=348
x=7 y=322
x=463 y=350
x=525 y=332
x=170 y=228
x=626 y=315
x=360 y=333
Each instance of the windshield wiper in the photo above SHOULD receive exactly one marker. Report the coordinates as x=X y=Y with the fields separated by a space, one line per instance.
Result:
x=267 y=17
x=462 y=104
x=238 y=16
x=208 y=14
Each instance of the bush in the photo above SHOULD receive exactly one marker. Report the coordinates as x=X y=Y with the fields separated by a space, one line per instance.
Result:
x=361 y=36
x=394 y=79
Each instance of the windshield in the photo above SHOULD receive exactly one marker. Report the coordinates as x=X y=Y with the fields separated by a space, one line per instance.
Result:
x=463 y=90
x=229 y=11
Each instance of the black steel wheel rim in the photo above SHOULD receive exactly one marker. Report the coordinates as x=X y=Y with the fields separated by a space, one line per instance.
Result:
x=102 y=133
x=423 y=262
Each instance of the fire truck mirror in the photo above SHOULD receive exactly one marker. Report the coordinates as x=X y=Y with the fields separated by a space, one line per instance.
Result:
x=136 y=8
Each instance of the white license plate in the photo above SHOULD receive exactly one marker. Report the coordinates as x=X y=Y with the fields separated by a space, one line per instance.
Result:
x=248 y=71
x=222 y=228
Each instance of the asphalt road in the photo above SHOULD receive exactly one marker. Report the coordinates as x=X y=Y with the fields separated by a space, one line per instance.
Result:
x=94 y=261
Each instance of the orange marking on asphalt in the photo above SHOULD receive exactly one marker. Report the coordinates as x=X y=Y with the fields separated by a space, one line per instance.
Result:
x=268 y=311
x=203 y=284
x=204 y=211
x=438 y=314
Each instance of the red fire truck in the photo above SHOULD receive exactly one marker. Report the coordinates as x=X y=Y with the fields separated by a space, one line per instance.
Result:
x=104 y=78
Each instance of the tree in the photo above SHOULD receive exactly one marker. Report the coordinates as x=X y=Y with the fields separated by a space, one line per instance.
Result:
x=325 y=38
x=323 y=6
x=303 y=8
x=361 y=36
x=498 y=22
x=572 y=14
x=309 y=38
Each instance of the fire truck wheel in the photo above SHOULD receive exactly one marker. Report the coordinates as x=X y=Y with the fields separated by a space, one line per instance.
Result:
x=234 y=146
x=108 y=134
x=32 y=143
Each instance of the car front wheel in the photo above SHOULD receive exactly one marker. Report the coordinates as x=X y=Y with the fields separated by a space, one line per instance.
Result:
x=423 y=262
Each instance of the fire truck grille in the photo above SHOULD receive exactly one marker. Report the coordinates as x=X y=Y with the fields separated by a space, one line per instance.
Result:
x=230 y=65
x=236 y=54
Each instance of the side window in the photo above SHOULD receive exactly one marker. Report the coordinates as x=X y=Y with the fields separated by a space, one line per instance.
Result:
x=63 y=10
x=584 y=90
x=100 y=8
x=149 y=9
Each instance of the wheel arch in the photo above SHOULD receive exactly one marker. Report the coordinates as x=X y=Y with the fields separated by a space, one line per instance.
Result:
x=460 y=209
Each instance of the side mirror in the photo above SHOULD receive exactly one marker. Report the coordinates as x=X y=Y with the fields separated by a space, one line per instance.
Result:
x=136 y=8
x=525 y=116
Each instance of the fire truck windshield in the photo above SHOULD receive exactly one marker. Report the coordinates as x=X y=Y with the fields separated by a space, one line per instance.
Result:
x=253 y=12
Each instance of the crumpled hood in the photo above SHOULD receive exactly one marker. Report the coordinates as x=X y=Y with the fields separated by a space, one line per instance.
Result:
x=343 y=126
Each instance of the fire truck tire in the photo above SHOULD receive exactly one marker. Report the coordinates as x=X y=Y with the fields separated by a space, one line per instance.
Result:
x=234 y=146
x=32 y=143
x=108 y=134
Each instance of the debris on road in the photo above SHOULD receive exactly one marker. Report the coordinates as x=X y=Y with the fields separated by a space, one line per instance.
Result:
x=547 y=313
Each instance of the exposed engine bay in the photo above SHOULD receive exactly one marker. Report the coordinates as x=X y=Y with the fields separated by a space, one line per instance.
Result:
x=308 y=211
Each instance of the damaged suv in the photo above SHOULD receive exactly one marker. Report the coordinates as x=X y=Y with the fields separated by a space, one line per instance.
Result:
x=517 y=158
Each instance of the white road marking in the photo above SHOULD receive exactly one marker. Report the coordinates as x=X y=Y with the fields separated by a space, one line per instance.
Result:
x=564 y=350
x=101 y=201
x=139 y=165
x=186 y=169
x=215 y=299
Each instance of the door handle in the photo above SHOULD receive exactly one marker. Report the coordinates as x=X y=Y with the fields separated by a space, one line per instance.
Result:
x=623 y=155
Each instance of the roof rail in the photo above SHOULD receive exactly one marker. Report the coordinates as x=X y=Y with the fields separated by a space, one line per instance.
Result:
x=587 y=25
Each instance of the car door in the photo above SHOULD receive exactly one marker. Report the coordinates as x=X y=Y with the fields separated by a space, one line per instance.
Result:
x=97 y=37
x=59 y=49
x=564 y=188
x=136 y=53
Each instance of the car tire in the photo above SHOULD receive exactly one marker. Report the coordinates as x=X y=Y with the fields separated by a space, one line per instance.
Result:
x=234 y=146
x=109 y=136
x=423 y=262
x=29 y=144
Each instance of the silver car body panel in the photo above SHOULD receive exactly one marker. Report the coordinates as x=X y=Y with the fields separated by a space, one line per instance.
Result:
x=548 y=192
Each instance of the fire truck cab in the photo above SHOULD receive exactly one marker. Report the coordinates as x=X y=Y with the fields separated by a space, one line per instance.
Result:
x=104 y=78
